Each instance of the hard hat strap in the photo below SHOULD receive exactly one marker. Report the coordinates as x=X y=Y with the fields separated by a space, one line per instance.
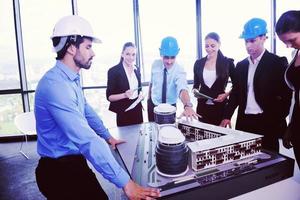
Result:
x=61 y=44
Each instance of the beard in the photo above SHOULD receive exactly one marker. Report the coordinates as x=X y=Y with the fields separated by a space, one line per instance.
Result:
x=81 y=64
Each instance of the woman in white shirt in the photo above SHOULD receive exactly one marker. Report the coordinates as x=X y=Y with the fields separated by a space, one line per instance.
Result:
x=124 y=87
x=211 y=75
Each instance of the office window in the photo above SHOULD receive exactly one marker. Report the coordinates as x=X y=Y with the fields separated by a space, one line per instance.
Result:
x=281 y=7
x=31 y=101
x=112 y=22
x=10 y=106
x=227 y=18
x=168 y=18
x=38 y=19
x=97 y=99
x=9 y=76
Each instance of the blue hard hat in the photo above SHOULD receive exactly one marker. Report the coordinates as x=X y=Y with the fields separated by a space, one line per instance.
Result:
x=254 y=28
x=169 y=47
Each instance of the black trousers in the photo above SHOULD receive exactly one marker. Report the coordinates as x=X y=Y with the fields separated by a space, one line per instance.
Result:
x=150 y=109
x=296 y=128
x=296 y=139
x=68 y=177
x=260 y=124
x=296 y=147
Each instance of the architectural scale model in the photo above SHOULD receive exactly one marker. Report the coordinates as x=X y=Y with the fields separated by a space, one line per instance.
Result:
x=217 y=165
x=212 y=145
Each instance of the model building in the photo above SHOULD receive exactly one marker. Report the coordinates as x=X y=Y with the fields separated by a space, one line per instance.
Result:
x=212 y=145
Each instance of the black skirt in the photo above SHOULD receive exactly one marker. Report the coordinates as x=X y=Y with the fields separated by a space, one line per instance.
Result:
x=134 y=116
x=211 y=114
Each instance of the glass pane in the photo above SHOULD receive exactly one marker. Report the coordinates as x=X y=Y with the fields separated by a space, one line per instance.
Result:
x=38 y=20
x=97 y=99
x=112 y=22
x=229 y=23
x=168 y=18
x=10 y=106
x=281 y=7
x=9 y=76
x=31 y=101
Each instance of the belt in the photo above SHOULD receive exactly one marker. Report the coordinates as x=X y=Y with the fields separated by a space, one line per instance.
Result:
x=67 y=158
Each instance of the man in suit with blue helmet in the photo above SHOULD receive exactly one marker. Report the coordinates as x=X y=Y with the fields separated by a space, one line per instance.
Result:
x=259 y=90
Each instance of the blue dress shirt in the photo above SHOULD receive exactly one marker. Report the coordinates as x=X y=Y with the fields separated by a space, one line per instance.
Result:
x=176 y=81
x=67 y=125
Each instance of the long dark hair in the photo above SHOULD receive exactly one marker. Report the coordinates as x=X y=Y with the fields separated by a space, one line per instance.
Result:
x=213 y=35
x=127 y=44
x=221 y=71
x=288 y=22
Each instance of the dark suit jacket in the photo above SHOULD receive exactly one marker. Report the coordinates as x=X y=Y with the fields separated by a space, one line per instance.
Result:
x=224 y=69
x=270 y=90
x=291 y=76
x=117 y=83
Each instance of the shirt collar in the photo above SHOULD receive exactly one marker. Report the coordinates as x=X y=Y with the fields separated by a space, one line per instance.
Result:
x=256 y=60
x=70 y=73
x=134 y=67
x=169 y=70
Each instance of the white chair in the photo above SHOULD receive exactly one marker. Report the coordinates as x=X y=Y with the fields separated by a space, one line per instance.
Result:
x=25 y=123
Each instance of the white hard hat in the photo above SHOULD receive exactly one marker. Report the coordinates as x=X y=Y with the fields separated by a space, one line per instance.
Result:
x=74 y=25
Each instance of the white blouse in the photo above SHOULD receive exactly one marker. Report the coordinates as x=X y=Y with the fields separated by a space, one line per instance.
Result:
x=209 y=77
x=133 y=83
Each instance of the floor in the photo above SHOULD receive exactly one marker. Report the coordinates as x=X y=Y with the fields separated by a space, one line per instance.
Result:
x=17 y=177
x=17 y=174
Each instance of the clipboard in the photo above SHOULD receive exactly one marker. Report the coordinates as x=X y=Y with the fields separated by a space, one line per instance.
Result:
x=198 y=94
x=135 y=103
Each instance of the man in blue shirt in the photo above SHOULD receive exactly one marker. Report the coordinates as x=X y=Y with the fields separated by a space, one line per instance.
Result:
x=69 y=131
x=176 y=83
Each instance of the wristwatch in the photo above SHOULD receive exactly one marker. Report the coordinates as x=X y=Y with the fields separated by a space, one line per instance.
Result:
x=188 y=104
